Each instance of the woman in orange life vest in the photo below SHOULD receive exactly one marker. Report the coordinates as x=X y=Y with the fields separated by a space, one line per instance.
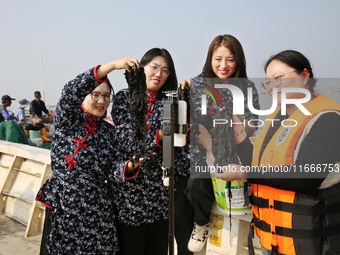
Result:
x=296 y=208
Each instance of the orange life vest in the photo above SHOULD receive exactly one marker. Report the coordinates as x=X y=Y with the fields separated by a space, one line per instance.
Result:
x=286 y=221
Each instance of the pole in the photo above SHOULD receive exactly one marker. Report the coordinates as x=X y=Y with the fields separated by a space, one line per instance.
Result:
x=168 y=129
x=42 y=76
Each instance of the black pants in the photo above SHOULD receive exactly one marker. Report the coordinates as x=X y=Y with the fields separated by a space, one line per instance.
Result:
x=146 y=239
x=46 y=232
x=38 y=126
x=200 y=193
x=184 y=214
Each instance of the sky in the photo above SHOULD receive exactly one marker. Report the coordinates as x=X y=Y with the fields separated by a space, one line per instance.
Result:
x=44 y=44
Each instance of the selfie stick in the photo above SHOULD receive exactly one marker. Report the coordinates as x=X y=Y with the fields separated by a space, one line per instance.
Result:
x=174 y=134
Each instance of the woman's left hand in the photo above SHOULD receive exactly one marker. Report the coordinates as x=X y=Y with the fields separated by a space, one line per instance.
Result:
x=184 y=83
x=231 y=172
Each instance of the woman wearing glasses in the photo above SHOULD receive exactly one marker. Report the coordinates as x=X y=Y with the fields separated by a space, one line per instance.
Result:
x=78 y=197
x=296 y=206
x=143 y=200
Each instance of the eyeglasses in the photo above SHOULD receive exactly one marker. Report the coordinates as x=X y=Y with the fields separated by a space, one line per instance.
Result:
x=96 y=96
x=274 y=82
x=155 y=69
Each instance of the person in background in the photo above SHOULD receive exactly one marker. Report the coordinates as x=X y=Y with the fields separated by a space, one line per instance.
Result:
x=296 y=211
x=80 y=217
x=19 y=112
x=10 y=130
x=38 y=107
x=225 y=63
x=6 y=101
x=20 y=116
x=143 y=200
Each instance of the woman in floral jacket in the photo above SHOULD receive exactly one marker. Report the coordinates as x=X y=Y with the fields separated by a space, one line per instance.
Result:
x=78 y=197
x=143 y=201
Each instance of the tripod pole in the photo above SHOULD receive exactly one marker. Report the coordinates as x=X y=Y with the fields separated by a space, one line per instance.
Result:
x=168 y=130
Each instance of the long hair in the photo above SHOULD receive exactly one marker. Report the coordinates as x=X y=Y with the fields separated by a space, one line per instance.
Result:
x=223 y=144
x=236 y=49
x=171 y=83
x=295 y=60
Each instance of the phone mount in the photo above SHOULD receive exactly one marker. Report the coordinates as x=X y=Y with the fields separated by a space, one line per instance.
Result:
x=178 y=116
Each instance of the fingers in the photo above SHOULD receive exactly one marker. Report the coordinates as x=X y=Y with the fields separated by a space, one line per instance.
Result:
x=149 y=155
x=184 y=83
x=231 y=172
x=131 y=62
x=134 y=163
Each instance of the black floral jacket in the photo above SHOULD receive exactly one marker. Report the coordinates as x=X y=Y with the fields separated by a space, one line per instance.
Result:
x=143 y=198
x=79 y=193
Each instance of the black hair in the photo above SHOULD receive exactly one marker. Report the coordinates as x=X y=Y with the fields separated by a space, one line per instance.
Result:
x=171 y=83
x=235 y=47
x=295 y=60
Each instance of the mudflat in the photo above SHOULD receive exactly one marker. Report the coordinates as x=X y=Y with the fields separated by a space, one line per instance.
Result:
x=13 y=241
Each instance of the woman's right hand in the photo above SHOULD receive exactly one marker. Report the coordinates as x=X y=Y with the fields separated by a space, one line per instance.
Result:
x=126 y=63
x=123 y=63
